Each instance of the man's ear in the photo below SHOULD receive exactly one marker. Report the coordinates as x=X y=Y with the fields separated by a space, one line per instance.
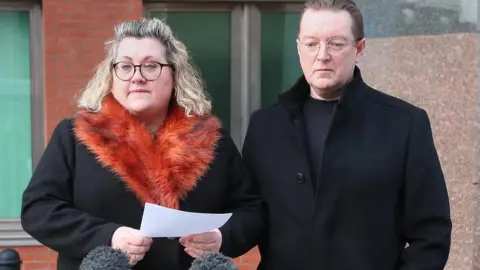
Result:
x=360 y=47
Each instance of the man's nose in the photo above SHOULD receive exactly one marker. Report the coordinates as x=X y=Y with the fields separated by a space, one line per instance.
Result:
x=322 y=53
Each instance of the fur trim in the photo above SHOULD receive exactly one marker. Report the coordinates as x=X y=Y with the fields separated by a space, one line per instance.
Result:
x=160 y=170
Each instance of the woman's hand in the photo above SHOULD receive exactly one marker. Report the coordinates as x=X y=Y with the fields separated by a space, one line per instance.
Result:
x=132 y=243
x=197 y=244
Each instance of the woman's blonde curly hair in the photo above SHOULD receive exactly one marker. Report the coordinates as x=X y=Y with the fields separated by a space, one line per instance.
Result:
x=189 y=92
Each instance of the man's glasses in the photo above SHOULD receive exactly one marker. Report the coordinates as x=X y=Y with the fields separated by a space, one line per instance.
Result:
x=334 y=45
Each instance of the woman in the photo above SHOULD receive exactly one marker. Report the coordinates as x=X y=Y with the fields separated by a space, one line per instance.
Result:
x=143 y=133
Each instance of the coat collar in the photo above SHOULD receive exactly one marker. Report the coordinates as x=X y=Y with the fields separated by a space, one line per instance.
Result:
x=160 y=169
x=352 y=94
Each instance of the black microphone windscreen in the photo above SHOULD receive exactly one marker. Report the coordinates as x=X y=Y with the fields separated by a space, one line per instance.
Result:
x=213 y=261
x=105 y=258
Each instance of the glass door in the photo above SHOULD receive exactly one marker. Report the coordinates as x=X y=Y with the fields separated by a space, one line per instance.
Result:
x=280 y=66
x=206 y=31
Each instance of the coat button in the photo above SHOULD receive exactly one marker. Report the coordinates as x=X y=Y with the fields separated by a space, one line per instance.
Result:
x=296 y=121
x=300 y=178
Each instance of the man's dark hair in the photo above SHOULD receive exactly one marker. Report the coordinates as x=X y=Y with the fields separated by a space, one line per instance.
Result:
x=338 y=5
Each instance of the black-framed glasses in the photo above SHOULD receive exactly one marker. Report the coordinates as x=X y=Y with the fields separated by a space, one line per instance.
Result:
x=150 y=71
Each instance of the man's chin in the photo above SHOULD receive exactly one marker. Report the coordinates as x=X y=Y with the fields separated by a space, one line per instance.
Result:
x=323 y=83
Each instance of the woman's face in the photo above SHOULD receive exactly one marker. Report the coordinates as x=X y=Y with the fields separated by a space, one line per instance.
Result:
x=142 y=83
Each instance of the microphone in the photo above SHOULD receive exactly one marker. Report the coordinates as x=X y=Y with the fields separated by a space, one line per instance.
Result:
x=213 y=261
x=105 y=258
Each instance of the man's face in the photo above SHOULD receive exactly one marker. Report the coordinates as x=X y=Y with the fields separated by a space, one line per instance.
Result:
x=327 y=49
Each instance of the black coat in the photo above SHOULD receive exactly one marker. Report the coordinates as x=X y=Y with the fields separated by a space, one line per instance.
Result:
x=74 y=202
x=381 y=185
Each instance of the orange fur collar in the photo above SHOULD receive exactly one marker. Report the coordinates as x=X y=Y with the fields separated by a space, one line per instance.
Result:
x=160 y=170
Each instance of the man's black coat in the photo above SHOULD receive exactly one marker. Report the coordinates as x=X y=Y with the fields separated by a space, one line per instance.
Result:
x=380 y=187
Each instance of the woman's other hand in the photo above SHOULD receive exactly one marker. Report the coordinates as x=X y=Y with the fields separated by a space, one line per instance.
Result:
x=197 y=244
x=132 y=243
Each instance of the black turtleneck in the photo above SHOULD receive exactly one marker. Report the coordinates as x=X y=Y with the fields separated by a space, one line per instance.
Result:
x=318 y=115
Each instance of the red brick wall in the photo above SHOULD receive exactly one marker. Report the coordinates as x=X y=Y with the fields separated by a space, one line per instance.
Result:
x=74 y=33
x=248 y=261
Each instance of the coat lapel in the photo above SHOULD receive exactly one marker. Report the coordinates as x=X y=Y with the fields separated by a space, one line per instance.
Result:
x=293 y=102
x=329 y=189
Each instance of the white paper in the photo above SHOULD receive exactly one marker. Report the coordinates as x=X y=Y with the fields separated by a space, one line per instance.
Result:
x=159 y=221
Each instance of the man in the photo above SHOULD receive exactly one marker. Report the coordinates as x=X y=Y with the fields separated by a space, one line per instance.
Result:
x=350 y=175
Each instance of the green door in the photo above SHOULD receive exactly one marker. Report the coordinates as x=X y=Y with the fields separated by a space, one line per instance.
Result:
x=280 y=64
x=207 y=37
x=15 y=123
